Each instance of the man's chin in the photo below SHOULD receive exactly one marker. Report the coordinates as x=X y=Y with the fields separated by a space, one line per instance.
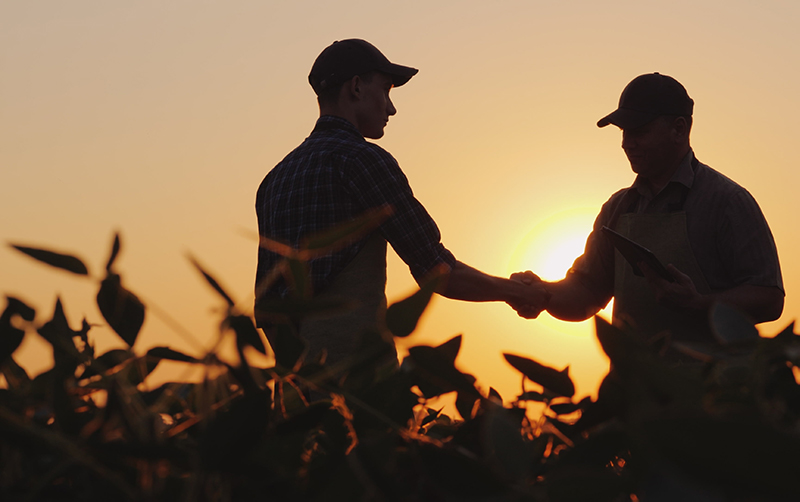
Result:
x=636 y=167
x=374 y=134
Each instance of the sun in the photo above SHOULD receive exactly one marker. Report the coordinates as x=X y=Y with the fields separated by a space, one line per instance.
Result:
x=550 y=248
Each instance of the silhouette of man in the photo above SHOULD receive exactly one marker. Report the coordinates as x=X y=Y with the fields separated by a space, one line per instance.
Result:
x=709 y=230
x=335 y=175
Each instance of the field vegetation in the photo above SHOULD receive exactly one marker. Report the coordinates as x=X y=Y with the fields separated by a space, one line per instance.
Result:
x=726 y=427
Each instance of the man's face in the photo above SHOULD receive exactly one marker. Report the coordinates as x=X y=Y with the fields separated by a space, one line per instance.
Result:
x=650 y=148
x=374 y=107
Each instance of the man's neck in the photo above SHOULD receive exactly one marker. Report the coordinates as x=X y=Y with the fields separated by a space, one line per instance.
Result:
x=338 y=111
x=657 y=183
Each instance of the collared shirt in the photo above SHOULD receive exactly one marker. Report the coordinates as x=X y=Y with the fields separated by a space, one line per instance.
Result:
x=728 y=233
x=332 y=177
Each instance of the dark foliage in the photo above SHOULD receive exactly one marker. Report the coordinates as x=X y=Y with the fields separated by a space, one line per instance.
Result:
x=725 y=425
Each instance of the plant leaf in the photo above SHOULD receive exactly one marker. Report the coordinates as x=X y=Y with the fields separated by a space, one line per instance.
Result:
x=16 y=376
x=246 y=333
x=615 y=344
x=114 y=252
x=437 y=373
x=213 y=282
x=532 y=396
x=342 y=235
x=298 y=278
x=402 y=317
x=171 y=354
x=565 y=408
x=508 y=455
x=287 y=346
x=123 y=311
x=58 y=332
x=731 y=326
x=553 y=380
x=450 y=348
x=298 y=308
x=63 y=261
x=10 y=336
x=787 y=334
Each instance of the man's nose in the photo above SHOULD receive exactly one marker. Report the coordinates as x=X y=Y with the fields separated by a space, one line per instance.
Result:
x=391 y=110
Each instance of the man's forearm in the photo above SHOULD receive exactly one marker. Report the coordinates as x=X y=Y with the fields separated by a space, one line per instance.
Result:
x=469 y=284
x=571 y=301
x=761 y=303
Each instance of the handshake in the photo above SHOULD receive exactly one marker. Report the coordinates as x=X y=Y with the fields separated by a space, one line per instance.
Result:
x=529 y=294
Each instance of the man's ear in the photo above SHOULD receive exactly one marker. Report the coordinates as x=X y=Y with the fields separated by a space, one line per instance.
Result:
x=680 y=128
x=353 y=87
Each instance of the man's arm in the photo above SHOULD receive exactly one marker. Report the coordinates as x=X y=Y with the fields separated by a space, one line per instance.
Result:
x=761 y=303
x=569 y=299
x=472 y=285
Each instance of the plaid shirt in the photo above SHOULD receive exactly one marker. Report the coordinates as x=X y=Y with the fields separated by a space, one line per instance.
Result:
x=332 y=177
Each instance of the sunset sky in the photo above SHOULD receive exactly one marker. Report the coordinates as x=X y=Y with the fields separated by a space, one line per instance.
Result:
x=159 y=119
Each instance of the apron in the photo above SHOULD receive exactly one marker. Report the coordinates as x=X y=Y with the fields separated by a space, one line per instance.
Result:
x=362 y=281
x=635 y=304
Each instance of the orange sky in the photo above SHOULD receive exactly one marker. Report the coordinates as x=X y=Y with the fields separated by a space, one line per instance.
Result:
x=160 y=119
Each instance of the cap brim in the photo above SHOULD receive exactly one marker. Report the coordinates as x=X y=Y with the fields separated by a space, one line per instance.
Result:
x=625 y=118
x=400 y=74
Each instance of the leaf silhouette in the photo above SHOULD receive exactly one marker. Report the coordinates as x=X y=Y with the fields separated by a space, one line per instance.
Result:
x=298 y=308
x=450 y=348
x=114 y=252
x=123 y=311
x=402 y=317
x=340 y=236
x=287 y=346
x=532 y=396
x=565 y=408
x=298 y=278
x=246 y=333
x=437 y=373
x=58 y=332
x=508 y=455
x=553 y=380
x=171 y=354
x=63 y=261
x=10 y=336
x=731 y=326
x=213 y=282
x=331 y=239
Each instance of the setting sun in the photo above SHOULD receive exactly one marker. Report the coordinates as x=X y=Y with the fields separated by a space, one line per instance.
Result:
x=549 y=249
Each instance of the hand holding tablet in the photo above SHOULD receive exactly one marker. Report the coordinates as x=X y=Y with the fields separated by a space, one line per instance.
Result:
x=635 y=253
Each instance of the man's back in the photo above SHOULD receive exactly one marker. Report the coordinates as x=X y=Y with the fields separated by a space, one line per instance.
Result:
x=334 y=176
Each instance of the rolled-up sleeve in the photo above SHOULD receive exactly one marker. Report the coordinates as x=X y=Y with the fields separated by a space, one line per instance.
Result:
x=594 y=269
x=745 y=244
x=376 y=179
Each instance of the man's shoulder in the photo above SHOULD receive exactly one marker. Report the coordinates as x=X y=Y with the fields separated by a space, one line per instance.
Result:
x=711 y=183
x=341 y=147
x=616 y=198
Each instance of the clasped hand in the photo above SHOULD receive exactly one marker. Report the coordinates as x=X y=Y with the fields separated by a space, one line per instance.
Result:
x=537 y=299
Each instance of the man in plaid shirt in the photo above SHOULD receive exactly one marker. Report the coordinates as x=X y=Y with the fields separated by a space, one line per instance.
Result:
x=334 y=176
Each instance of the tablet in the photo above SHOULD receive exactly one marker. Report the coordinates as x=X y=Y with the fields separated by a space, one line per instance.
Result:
x=635 y=253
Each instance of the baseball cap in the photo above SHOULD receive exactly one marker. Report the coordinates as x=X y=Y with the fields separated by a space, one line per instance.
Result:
x=646 y=98
x=344 y=59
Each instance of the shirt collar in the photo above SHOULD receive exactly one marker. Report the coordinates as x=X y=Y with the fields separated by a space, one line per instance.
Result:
x=684 y=175
x=332 y=122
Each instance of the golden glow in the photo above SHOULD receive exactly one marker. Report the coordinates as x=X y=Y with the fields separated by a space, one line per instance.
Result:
x=549 y=250
x=160 y=119
x=553 y=243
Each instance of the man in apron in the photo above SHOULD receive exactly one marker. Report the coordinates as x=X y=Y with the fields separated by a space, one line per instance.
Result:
x=334 y=176
x=707 y=229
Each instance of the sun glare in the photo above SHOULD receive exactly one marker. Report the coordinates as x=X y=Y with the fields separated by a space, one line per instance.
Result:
x=549 y=250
